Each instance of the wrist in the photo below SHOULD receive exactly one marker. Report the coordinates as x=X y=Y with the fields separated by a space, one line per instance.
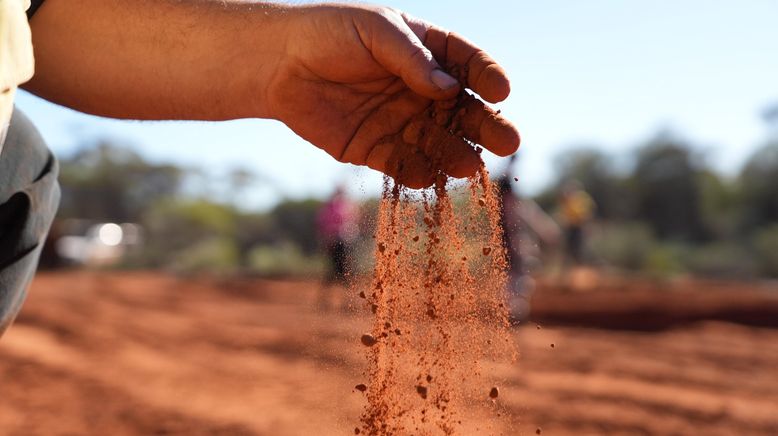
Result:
x=255 y=55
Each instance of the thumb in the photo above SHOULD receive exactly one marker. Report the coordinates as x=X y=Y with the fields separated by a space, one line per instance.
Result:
x=401 y=52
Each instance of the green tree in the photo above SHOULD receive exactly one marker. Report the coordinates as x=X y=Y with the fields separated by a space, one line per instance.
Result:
x=190 y=234
x=665 y=181
x=296 y=221
x=759 y=187
x=108 y=182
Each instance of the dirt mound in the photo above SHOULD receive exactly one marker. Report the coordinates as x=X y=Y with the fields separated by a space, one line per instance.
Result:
x=143 y=353
x=622 y=304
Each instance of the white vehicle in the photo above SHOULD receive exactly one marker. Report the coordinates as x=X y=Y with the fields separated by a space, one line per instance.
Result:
x=97 y=244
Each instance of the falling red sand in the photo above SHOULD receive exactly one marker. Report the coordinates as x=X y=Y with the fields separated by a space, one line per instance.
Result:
x=440 y=311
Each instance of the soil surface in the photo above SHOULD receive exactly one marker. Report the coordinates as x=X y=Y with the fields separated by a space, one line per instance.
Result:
x=145 y=353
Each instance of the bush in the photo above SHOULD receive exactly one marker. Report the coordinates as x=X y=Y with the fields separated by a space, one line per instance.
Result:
x=284 y=259
x=173 y=228
x=624 y=245
x=721 y=259
x=666 y=259
x=765 y=242
x=212 y=255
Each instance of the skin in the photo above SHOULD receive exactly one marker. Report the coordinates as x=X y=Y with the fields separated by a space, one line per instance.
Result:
x=347 y=78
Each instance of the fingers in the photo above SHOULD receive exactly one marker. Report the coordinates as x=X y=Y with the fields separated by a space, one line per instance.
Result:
x=379 y=156
x=398 y=49
x=414 y=50
x=484 y=75
x=461 y=158
x=422 y=150
x=408 y=165
x=414 y=170
x=450 y=153
x=389 y=116
x=432 y=141
x=482 y=125
x=481 y=73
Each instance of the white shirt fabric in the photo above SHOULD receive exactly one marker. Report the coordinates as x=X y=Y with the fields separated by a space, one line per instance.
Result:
x=16 y=58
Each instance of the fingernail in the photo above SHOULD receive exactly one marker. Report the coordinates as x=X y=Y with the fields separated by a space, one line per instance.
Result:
x=442 y=80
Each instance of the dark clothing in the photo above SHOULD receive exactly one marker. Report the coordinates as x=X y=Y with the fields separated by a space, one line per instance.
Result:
x=509 y=227
x=29 y=196
x=34 y=5
x=336 y=253
x=574 y=241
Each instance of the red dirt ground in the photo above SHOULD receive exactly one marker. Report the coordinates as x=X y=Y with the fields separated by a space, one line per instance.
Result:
x=144 y=353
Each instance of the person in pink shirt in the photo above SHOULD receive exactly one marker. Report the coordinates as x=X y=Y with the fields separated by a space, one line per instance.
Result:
x=338 y=227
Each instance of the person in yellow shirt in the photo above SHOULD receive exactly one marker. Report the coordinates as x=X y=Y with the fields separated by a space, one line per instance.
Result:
x=576 y=208
x=345 y=77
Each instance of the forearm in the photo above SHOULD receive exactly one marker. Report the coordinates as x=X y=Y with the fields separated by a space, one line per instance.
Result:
x=158 y=59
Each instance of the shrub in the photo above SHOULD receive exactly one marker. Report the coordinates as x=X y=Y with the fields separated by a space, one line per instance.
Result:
x=721 y=259
x=212 y=255
x=625 y=245
x=284 y=259
x=765 y=242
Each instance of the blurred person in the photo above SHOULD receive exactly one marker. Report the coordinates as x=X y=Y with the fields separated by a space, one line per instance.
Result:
x=342 y=76
x=524 y=225
x=338 y=227
x=576 y=210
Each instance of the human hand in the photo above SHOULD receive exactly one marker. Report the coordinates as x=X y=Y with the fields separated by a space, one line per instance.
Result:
x=363 y=83
x=367 y=85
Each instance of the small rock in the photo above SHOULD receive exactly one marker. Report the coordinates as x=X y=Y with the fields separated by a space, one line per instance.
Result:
x=361 y=387
x=368 y=340
x=487 y=250
x=422 y=391
x=494 y=392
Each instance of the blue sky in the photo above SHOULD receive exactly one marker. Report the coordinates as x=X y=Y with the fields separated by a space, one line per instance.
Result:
x=602 y=72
